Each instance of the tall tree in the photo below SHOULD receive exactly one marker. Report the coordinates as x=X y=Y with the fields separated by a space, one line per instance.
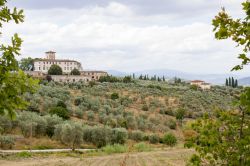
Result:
x=226 y=82
x=236 y=29
x=236 y=83
x=163 y=79
x=26 y=64
x=55 y=70
x=75 y=72
x=230 y=81
x=13 y=82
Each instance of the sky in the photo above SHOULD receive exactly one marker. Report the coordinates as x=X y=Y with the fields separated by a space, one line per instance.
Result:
x=128 y=35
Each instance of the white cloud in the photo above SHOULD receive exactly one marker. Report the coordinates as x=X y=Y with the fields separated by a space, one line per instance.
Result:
x=115 y=36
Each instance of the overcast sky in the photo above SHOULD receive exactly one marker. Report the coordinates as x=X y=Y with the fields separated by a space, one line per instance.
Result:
x=128 y=35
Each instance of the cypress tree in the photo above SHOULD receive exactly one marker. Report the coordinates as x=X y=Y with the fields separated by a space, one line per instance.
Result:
x=163 y=79
x=133 y=75
x=226 y=82
x=230 y=82
x=236 y=83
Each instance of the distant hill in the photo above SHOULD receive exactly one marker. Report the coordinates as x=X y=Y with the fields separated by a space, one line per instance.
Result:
x=244 y=81
x=168 y=73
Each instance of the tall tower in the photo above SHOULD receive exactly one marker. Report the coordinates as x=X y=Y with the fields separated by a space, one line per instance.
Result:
x=50 y=55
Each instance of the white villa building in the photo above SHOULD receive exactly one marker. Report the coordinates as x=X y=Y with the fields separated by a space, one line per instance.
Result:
x=43 y=65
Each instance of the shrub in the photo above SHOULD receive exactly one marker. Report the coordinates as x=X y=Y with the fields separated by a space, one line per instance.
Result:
x=77 y=101
x=119 y=135
x=91 y=115
x=136 y=135
x=60 y=111
x=116 y=148
x=153 y=139
x=7 y=142
x=169 y=139
x=145 y=107
x=172 y=124
x=60 y=103
x=24 y=154
x=79 y=113
x=142 y=147
x=114 y=96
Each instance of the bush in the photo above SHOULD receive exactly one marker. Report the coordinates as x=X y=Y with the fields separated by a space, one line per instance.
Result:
x=116 y=148
x=114 y=96
x=142 y=147
x=169 y=139
x=79 y=113
x=145 y=107
x=60 y=103
x=7 y=142
x=91 y=115
x=172 y=124
x=61 y=112
x=24 y=154
x=136 y=135
x=119 y=135
x=153 y=139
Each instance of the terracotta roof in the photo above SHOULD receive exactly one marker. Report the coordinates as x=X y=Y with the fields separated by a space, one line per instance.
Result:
x=50 y=52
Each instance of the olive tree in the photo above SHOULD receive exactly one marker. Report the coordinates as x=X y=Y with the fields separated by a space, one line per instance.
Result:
x=70 y=133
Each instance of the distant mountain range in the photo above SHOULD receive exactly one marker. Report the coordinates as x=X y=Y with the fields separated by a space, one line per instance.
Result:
x=217 y=79
x=244 y=81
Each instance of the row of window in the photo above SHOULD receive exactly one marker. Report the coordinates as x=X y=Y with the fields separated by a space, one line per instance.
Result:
x=47 y=68
x=58 y=63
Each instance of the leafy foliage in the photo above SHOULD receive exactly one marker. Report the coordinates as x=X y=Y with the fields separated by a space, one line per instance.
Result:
x=60 y=111
x=169 y=139
x=75 y=72
x=237 y=29
x=55 y=70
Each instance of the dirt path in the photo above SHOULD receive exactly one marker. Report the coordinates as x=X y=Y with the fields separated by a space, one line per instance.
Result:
x=175 y=157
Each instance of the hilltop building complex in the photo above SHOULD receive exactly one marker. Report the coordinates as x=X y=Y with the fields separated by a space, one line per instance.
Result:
x=42 y=66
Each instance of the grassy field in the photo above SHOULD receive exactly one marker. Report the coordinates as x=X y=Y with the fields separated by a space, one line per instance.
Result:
x=175 y=157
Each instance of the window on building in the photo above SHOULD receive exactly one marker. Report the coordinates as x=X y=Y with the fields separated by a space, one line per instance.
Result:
x=71 y=63
x=39 y=68
x=64 y=68
x=67 y=68
x=43 y=67
x=70 y=68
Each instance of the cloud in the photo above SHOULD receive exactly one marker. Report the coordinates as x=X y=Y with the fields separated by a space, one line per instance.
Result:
x=125 y=35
